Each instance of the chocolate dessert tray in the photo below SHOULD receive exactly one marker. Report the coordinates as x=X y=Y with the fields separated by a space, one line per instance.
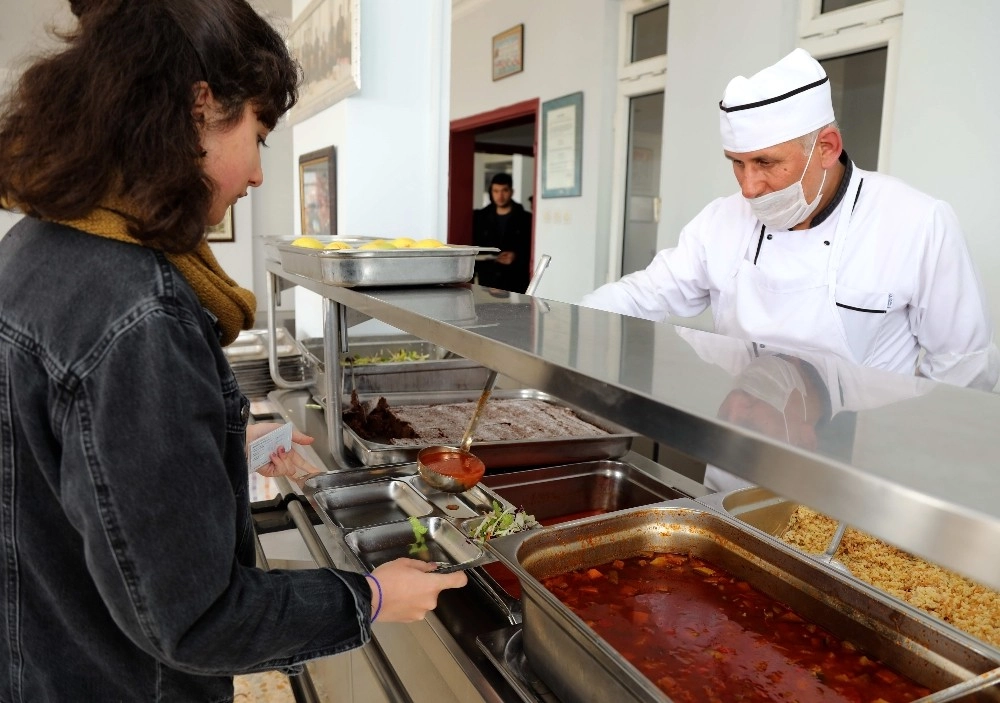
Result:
x=612 y=443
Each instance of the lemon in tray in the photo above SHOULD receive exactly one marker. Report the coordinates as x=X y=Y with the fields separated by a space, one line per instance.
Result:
x=308 y=243
x=338 y=245
x=429 y=244
x=404 y=242
x=378 y=244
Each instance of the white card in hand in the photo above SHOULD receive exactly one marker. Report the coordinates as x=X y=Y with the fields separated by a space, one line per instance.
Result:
x=262 y=447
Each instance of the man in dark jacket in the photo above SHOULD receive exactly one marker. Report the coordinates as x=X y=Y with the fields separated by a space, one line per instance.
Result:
x=506 y=225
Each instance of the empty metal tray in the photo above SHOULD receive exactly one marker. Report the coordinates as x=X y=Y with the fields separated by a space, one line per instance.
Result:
x=561 y=493
x=372 y=504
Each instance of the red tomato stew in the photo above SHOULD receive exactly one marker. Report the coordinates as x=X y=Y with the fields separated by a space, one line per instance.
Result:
x=702 y=635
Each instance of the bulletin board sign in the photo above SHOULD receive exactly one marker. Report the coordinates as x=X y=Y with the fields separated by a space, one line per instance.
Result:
x=562 y=146
x=508 y=52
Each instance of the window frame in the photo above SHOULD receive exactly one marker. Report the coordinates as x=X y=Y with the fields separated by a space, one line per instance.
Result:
x=635 y=79
x=875 y=24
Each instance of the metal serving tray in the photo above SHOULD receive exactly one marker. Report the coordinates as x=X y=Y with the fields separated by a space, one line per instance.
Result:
x=763 y=510
x=373 y=504
x=524 y=453
x=371 y=508
x=555 y=494
x=442 y=370
x=446 y=545
x=378 y=267
x=577 y=665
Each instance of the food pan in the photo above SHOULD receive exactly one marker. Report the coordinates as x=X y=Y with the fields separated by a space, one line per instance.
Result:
x=580 y=666
x=349 y=498
x=524 y=453
x=373 y=504
x=445 y=544
x=441 y=370
x=555 y=494
x=761 y=509
x=378 y=267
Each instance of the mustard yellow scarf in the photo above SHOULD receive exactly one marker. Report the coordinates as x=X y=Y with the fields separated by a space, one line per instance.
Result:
x=235 y=307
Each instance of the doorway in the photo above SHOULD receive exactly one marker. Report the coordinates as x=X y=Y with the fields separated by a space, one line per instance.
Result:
x=500 y=141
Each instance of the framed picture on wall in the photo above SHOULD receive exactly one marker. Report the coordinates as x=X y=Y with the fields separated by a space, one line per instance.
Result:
x=222 y=232
x=508 y=52
x=326 y=39
x=318 y=192
x=562 y=146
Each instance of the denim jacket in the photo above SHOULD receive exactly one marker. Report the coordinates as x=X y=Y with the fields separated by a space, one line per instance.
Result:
x=126 y=548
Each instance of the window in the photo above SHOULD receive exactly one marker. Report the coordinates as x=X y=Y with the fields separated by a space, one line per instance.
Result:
x=834 y=5
x=857 y=82
x=858 y=45
x=649 y=33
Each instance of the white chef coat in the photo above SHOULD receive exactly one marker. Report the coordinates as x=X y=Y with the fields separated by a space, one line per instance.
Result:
x=901 y=279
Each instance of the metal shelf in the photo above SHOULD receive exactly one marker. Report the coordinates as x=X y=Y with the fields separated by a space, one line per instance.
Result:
x=915 y=462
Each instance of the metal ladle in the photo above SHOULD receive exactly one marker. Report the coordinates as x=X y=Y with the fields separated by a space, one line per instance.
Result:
x=828 y=557
x=456 y=469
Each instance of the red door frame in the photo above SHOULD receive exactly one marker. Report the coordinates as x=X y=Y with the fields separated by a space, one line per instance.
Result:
x=461 y=150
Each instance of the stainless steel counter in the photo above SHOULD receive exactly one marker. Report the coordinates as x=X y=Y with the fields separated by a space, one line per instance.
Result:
x=445 y=642
x=913 y=464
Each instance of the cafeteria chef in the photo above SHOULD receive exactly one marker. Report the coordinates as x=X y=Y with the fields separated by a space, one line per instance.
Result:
x=815 y=253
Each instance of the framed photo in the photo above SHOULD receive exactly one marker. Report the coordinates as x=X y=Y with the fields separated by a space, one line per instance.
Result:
x=562 y=146
x=222 y=232
x=326 y=39
x=318 y=192
x=508 y=52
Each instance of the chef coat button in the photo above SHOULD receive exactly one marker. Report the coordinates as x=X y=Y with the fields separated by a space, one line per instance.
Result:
x=827 y=243
x=770 y=236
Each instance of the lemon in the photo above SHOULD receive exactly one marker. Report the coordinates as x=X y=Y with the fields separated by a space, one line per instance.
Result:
x=308 y=243
x=404 y=242
x=377 y=244
x=338 y=245
x=429 y=244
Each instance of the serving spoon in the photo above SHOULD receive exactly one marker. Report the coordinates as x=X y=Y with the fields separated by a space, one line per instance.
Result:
x=456 y=469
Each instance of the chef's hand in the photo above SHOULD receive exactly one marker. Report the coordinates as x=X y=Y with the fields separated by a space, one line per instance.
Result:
x=505 y=257
x=282 y=463
x=409 y=590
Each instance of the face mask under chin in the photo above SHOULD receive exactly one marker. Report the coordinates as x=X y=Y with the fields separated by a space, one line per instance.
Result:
x=785 y=208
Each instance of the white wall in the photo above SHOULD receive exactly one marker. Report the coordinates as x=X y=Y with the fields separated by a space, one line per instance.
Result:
x=946 y=116
x=391 y=136
x=709 y=42
x=569 y=46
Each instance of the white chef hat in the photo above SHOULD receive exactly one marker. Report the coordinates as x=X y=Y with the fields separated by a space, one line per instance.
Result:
x=782 y=102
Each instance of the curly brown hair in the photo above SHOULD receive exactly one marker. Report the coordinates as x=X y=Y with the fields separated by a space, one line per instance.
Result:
x=109 y=116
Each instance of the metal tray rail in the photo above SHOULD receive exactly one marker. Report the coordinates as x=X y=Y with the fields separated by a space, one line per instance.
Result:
x=515 y=453
x=578 y=665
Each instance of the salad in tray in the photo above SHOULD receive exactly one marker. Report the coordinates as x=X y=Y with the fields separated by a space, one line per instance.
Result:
x=502 y=522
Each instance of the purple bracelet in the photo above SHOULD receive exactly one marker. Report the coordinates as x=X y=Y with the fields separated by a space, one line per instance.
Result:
x=379 y=587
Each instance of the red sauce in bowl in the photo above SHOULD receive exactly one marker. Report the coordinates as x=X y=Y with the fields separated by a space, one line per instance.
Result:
x=704 y=636
x=464 y=468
